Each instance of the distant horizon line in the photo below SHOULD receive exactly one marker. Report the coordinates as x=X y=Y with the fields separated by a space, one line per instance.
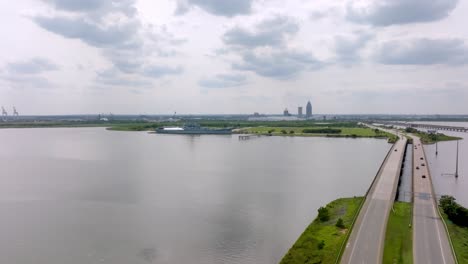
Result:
x=250 y=114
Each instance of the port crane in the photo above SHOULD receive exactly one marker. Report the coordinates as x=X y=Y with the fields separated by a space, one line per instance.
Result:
x=4 y=114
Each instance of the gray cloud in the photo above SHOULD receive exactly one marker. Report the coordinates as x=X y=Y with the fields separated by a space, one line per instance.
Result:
x=95 y=6
x=223 y=81
x=26 y=81
x=216 y=7
x=282 y=64
x=348 y=48
x=126 y=42
x=423 y=52
x=113 y=77
x=270 y=32
x=158 y=71
x=33 y=66
x=121 y=36
x=391 y=12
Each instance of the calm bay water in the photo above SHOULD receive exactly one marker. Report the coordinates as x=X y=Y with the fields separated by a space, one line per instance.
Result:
x=87 y=195
x=442 y=166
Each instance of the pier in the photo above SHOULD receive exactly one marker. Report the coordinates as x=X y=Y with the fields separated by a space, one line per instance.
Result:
x=249 y=136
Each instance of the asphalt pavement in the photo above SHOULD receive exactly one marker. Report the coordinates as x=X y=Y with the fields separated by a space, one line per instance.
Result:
x=430 y=240
x=366 y=242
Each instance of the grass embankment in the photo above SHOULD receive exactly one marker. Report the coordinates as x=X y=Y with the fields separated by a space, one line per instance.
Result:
x=399 y=236
x=353 y=132
x=433 y=138
x=459 y=237
x=321 y=241
x=430 y=138
x=456 y=218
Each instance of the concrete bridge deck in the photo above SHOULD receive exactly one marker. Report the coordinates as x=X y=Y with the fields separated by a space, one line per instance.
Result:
x=430 y=240
x=429 y=126
x=366 y=242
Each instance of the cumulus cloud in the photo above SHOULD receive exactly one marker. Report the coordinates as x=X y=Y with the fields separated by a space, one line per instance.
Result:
x=32 y=66
x=264 y=49
x=120 y=36
x=27 y=81
x=114 y=28
x=348 y=48
x=216 y=7
x=283 y=64
x=113 y=78
x=158 y=71
x=95 y=6
x=270 y=32
x=223 y=81
x=391 y=12
x=423 y=51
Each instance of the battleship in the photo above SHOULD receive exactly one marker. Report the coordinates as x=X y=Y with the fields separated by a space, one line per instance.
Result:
x=194 y=129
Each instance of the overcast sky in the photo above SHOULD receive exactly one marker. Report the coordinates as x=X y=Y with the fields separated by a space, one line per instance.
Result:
x=243 y=56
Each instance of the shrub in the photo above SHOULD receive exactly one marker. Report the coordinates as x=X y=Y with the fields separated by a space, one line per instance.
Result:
x=323 y=214
x=455 y=212
x=291 y=132
x=340 y=223
x=321 y=244
x=322 y=130
x=410 y=130
x=284 y=131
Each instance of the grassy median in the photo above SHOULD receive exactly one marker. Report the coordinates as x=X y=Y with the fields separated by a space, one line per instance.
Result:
x=399 y=236
x=322 y=240
x=459 y=237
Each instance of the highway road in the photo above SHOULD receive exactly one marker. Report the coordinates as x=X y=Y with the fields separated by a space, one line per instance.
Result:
x=430 y=240
x=365 y=244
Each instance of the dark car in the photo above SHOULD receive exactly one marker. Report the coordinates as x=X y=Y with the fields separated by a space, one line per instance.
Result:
x=423 y=164
x=422 y=158
x=417 y=168
x=424 y=176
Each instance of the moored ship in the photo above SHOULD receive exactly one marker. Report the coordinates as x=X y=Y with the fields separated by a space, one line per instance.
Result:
x=194 y=129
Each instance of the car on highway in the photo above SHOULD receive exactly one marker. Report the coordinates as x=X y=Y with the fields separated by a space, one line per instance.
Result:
x=417 y=167
x=424 y=176
x=422 y=164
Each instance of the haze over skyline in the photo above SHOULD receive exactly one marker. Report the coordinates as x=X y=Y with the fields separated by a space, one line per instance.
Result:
x=228 y=57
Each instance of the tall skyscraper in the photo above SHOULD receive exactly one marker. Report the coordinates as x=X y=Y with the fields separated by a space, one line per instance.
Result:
x=299 y=111
x=309 y=109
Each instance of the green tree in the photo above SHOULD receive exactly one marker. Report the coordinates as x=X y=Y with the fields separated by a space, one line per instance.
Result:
x=284 y=131
x=323 y=214
x=291 y=132
x=321 y=244
x=340 y=223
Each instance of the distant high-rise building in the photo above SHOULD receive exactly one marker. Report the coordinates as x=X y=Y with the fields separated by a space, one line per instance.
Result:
x=299 y=111
x=309 y=109
x=286 y=112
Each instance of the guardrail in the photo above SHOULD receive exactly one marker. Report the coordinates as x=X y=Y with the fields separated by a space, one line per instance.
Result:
x=434 y=197
x=340 y=254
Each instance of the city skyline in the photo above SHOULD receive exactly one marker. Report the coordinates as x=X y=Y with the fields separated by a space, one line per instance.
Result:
x=203 y=57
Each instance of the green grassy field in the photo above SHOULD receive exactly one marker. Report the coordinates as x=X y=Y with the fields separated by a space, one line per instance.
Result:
x=298 y=131
x=399 y=235
x=459 y=237
x=431 y=139
x=307 y=247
